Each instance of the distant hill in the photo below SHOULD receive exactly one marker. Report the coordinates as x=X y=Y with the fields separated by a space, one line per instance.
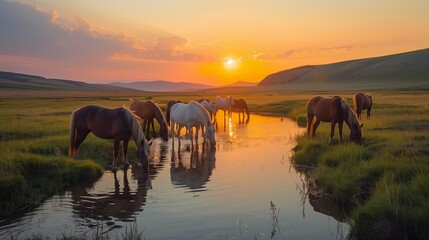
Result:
x=19 y=82
x=162 y=86
x=241 y=84
x=399 y=70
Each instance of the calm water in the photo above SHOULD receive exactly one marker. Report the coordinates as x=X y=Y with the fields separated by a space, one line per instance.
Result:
x=245 y=189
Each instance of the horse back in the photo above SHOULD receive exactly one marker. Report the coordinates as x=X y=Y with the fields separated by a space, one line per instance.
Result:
x=362 y=101
x=103 y=122
x=325 y=109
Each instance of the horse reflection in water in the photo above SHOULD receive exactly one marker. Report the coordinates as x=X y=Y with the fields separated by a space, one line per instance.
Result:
x=197 y=173
x=126 y=200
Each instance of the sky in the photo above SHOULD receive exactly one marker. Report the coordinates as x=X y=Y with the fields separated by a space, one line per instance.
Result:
x=211 y=42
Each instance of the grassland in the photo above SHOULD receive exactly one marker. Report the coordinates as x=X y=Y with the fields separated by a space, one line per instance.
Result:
x=384 y=181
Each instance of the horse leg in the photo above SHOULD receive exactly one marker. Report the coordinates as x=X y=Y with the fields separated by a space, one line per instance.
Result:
x=115 y=154
x=144 y=129
x=368 y=113
x=340 y=130
x=80 y=136
x=125 y=150
x=153 y=128
x=332 y=131
x=309 y=124
x=315 y=125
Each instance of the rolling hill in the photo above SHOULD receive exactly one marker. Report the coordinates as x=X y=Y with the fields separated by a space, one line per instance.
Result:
x=409 y=69
x=162 y=86
x=18 y=81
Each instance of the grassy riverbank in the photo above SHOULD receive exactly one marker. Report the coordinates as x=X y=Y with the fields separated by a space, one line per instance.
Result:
x=385 y=180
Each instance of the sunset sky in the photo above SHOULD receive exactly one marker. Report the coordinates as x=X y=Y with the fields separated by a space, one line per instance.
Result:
x=212 y=42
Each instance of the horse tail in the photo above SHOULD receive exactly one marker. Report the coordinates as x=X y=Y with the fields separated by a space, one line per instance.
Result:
x=168 y=114
x=73 y=131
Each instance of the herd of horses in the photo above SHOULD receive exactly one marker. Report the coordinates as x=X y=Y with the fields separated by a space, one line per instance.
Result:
x=121 y=124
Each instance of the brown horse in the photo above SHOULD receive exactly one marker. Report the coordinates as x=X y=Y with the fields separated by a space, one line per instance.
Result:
x=334 y=110
x=148 y=110
x=362 y=101
x=240 y=106
x=118 y=124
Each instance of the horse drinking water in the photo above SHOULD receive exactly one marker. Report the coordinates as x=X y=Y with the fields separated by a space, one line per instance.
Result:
x=148 y=110
x=334 y=110
x=118 y=124
x=191 y=115
x=362 y=101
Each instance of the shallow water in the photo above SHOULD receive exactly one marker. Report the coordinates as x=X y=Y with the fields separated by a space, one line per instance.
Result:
x=244 y=189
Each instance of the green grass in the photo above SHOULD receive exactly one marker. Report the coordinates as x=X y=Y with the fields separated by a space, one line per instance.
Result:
x=383 y=181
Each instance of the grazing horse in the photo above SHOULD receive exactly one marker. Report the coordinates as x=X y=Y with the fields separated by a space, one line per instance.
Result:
x=148 y=110
x=118 y=124
x=362 y=101
x=191 y=115
x=334 y=110
x=240 y=106
x=224 y=104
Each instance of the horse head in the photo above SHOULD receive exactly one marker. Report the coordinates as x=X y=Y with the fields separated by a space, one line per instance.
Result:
x=356 y=133
x=143 y=152
x=210 y=134
x=163 y=132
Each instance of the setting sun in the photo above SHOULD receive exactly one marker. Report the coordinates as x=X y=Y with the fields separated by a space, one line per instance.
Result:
x=230 y=63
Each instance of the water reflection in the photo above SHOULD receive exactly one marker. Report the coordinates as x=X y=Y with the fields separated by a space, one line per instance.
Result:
x=123 y=203
x=195 y=171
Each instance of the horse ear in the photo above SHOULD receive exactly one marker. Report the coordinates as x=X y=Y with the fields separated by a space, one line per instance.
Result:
x=361 y=126
x=150 y=142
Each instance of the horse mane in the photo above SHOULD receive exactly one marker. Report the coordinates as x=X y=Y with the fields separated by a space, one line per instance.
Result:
x=350 y=114
x=135 y=127
x=164 y=121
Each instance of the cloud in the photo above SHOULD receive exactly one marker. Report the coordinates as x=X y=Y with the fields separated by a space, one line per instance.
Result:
x=28 y=31
x=344 y=47
x=276 y=56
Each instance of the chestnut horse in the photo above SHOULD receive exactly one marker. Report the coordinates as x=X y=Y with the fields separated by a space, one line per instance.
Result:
x=148 y=110
x=240 y=106
x=362 y=101
x=334 y=110
x=118 y=124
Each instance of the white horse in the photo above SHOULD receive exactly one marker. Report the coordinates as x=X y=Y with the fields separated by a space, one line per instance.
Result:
x=224 y=104
x=191 y=115
x=209 y=106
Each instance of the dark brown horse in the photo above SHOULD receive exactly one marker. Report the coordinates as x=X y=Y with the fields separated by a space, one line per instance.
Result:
x=118 y=124
x=362 y=101
x=169 y=105
x=148 y=110
x=334 y=110
x=240 y=106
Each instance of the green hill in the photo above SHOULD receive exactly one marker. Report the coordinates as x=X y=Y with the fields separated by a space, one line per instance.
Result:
x=404 y=70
